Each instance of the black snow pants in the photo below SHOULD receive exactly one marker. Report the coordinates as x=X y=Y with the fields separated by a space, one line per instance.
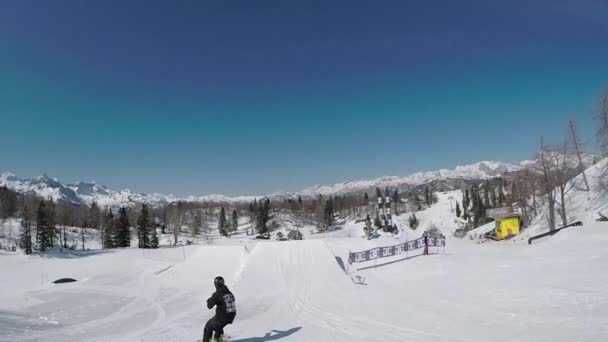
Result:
x=214 y=326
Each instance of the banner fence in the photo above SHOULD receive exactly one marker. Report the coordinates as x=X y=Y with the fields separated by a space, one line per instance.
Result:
x=384 y=252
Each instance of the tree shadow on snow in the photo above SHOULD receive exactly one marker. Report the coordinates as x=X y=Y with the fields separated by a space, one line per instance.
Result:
x=67 y=253
x=270 y=336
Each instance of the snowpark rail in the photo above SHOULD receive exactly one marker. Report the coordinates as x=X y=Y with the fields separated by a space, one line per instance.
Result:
x=553 y=232
x=384 y=252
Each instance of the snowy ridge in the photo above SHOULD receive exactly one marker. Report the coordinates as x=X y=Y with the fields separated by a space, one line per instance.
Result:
x=42 y=186
x=88 y=192
x=480 y=170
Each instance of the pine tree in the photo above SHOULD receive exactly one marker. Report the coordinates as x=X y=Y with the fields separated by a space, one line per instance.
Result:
x=365 y=198
x=263 y=216
x=328 y=213
x=154 y=238
x=83 y=235
x=465 y=215
x=396 y=201
x=235 y=220
x=123 y=233
x=221 y=225
x=8 y=202
x=25 y=238
x=197 y=224
x=143 y=227
x=109 y=240
x=94 y=216
x=428 y=196
x=299 y=201
x=479 y=217
x=253 y=212
x=457 y=209
x=514 y=195
x=464 y=202
x=413 y=221
x=42 y=227
x=51 y=215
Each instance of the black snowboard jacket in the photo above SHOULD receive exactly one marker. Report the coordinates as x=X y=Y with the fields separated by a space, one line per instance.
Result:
x=225 y=304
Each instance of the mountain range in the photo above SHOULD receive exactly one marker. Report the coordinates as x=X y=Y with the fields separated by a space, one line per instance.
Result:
x=84 y=193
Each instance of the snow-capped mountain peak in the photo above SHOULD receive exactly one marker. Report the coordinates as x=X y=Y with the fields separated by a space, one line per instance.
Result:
x=88 y=192
x=480 y=170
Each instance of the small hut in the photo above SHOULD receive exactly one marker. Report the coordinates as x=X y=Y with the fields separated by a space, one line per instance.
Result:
x=508 y=222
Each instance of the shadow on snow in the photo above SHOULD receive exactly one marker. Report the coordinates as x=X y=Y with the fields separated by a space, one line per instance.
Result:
x=271 y=336
x=67 y=253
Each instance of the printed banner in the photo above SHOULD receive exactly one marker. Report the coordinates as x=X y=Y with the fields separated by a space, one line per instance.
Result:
x=383 y=252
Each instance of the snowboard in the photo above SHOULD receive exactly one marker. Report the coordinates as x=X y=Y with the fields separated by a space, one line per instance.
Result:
x=225 y=339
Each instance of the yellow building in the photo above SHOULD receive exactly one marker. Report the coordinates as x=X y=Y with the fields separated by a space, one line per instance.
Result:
x=506 y=227
x=507 y=222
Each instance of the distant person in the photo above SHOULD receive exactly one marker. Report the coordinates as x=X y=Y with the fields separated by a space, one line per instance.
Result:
x=425 y=235
x=225 y=311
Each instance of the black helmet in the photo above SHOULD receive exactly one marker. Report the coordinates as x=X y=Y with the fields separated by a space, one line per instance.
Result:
x=218 y=282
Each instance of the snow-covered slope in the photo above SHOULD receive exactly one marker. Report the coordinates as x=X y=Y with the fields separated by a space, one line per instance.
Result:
x=296 y=291
x=581 y=205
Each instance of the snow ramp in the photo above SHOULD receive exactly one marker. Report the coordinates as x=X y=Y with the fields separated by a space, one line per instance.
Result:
x=296 y=291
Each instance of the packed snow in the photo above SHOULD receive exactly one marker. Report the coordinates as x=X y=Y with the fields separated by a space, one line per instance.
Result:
x=553 y=290
x=296 y=291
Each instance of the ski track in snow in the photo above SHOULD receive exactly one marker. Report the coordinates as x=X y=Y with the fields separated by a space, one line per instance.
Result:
x=299 y=288
x=553 y=290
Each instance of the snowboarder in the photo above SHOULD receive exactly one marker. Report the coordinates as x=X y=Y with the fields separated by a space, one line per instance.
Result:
x=225 y=311
x=425 y=235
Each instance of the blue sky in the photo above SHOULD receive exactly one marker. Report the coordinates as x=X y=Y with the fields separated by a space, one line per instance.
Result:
x=244 y=97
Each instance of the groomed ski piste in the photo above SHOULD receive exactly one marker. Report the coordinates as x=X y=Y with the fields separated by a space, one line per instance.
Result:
x=553 y=290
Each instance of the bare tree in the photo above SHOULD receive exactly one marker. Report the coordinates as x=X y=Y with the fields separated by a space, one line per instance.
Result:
x=65 y=216
x=602 y=134
x=563 y=175
x=197 y=222
x=577 y=148
x=544 y=162
x=83 y=236
x=179 y=213
x=602 y=120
